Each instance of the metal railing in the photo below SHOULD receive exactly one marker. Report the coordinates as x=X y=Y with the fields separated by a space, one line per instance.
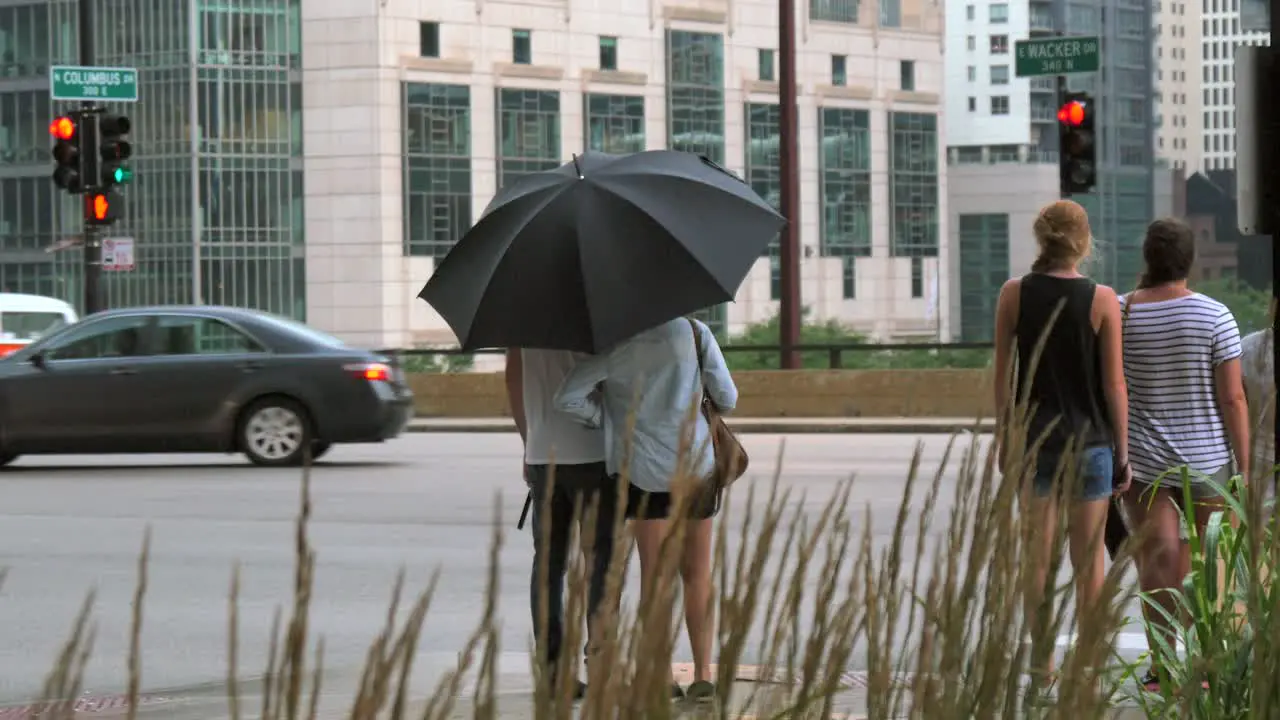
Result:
x=835 y=353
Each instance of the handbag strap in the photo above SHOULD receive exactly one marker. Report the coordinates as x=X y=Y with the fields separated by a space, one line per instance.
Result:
x=697 y=349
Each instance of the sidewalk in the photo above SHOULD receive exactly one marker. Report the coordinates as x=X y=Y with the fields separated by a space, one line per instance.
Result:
x=768 y=426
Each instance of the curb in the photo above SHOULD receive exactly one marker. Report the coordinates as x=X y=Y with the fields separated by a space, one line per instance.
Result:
x=763 y=427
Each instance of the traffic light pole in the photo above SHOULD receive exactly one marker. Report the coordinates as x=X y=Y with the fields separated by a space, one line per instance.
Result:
x=89 y=152
x=1063 y=192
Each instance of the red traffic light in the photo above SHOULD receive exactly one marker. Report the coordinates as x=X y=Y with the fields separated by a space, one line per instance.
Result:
x=1072 y=113
x=99 y=207
x=63 y=128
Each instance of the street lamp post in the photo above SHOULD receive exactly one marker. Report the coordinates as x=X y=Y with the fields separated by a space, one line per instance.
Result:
x=789 y=166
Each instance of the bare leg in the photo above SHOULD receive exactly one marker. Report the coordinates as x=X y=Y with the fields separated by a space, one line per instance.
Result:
x=649 y=536
x=1043 y=516
x=699 y=617
x=1088 y=524
x=1159 y=555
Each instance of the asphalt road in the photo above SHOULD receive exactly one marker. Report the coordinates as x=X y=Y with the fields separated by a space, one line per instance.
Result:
x=422 y=502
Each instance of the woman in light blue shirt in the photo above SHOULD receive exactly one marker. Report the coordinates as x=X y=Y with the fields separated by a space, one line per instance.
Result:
x=652 y=382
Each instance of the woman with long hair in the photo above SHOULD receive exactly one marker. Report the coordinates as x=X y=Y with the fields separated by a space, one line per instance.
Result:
x=1187 y=415
x=642 y=391
x=1076 y=393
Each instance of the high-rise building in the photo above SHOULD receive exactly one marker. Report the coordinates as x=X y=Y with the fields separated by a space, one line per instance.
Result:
x=418 y=112
x=1178 y=82
x=1221 y=33
x=1003 y=142
x=215 y=206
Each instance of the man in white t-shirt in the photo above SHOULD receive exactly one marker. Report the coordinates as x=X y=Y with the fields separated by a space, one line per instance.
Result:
x=578 y=453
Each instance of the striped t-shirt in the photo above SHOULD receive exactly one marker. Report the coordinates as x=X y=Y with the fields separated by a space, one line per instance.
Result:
x=1171 y=349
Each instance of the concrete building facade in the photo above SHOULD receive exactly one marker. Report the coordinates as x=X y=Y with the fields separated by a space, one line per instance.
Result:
x=1178 y=83
x=416 y=111
x=1221 y=34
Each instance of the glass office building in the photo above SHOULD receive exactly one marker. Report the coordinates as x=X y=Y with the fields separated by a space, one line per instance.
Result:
x=216 y=205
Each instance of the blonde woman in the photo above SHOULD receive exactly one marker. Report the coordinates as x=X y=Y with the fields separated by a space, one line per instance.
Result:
x=1077 y=394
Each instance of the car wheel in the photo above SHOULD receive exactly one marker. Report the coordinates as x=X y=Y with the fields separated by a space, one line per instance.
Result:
x=274 y=432
x=318 y=449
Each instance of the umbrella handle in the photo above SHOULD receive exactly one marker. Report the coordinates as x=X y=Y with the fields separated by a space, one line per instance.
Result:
x=528 y=502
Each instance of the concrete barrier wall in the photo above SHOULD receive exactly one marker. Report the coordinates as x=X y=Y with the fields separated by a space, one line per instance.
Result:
x=763 y=394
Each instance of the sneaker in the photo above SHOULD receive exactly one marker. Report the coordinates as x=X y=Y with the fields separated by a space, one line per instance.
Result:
x=701 y=692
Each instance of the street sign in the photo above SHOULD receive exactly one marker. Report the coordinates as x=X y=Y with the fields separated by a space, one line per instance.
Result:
x=96 y=84
x=117 y=254
x=1056 y=56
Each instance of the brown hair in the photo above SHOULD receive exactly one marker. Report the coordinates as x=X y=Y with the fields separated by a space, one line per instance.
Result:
x=1169 y=251
x=1063 y=234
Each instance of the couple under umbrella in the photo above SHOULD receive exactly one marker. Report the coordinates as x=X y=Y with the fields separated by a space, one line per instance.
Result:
x=567 y=267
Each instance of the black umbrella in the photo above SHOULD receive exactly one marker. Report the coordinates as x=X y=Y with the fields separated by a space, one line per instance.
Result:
x=584 y=256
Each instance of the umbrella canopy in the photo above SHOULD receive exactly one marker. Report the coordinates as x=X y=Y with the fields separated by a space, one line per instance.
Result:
x=589 y=254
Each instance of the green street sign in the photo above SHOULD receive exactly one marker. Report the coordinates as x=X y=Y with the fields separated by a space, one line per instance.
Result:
x=1056 y=56
x=95 y=84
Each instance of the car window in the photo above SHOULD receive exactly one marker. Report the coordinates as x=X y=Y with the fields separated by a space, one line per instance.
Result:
x=116 y=337
x=29 y=324
x=293 y=326
x=187 y=335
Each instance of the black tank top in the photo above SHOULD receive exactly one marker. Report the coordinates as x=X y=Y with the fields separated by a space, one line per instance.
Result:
x=1067 y=384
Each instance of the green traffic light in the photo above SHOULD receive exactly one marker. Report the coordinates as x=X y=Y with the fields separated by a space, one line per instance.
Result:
x=122 y=175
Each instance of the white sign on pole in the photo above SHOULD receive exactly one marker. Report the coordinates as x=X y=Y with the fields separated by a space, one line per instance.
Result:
x=117 y=254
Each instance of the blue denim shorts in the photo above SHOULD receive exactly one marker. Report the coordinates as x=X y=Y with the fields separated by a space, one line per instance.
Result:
x=1095 y=474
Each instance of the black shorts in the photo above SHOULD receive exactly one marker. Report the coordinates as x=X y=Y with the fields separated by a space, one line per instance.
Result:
x=642 y=505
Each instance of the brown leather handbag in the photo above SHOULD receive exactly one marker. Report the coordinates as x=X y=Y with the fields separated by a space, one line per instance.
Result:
x=731 y=457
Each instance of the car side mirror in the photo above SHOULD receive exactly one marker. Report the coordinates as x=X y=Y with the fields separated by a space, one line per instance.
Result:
x=38 y=361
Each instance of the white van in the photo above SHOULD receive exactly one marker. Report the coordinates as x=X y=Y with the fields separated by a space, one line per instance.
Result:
x=24 y=318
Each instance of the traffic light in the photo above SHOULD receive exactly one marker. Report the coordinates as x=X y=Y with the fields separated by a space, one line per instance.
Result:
x=68 y=173
x=1077 y=148
x=101 y=207
x=114 y=150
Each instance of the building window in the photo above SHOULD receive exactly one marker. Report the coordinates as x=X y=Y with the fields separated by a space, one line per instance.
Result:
x=999 y=74
x=764 y=169
x=999 y=104
x=849 y=278
x=614 y=123
x=608 y=53
x=844 y=177
x=999 y=13
x=973 y=104
x=764 y=60
x=917 y=277
x=969 y=13
x=839 y=76
x=842 y=11
x=972 y=73
x=984 y=267
x=437 y=167
x=528 y=133
x=907 y=74
x=891 y=13
x=695 y=93
x=999 y=44
x=695 y=109
x=913 y=184
x=521 y=47
x=971 y=43
x=429 y=39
